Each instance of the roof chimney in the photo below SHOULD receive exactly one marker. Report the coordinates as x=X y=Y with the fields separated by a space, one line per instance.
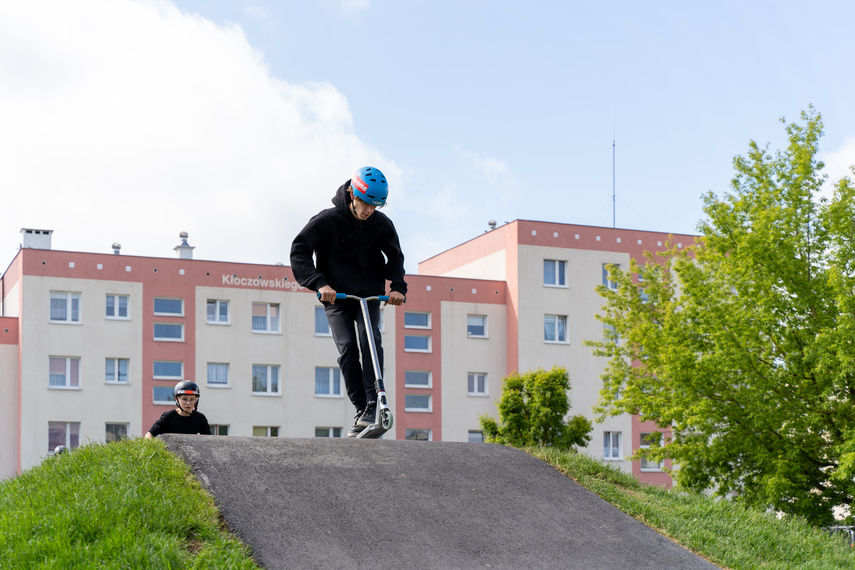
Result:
x=184 y=249
x=492 y=224
x=36 y=239
x=117 y=248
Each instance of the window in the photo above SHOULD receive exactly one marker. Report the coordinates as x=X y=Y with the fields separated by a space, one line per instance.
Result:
x=554 y=273
x=606 y=281
x=173 y=307
x=327 y=382
x=265 y=379
x=163 y=395
x=218 y=374
x=322 y=325
x=116 y=371
x=64 y=307
x=265 y=317
x=610 y=333
x=265 y=431
x=417 y=379
x=417 y=434
x=649 y=464
x=219 y=429
x=169 y=331
x=166 y=370
x=117 y=307
x=611 y=445
x=477 y=383
x=115 y=432
x=218 y=312
x=327 y=432
x=417 y=403
x=476 y=436
x=555 y=328
x=476 y=326
x=63 y=433
x=414 y=343
x=64 y=372
x=416 y=320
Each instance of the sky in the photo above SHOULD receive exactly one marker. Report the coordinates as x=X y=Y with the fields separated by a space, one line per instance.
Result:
x=131 y=121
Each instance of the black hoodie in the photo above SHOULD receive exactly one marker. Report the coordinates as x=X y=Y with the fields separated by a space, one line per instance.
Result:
x=353 y=256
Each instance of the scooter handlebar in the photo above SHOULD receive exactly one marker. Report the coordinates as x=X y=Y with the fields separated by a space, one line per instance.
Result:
x=339 y=296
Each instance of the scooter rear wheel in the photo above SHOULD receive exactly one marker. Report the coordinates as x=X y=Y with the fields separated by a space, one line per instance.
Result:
x=385 y=419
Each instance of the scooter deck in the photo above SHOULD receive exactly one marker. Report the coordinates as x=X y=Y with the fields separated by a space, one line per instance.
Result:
x=374 y=431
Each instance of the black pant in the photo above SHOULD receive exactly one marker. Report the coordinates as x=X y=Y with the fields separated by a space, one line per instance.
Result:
x=358 y=376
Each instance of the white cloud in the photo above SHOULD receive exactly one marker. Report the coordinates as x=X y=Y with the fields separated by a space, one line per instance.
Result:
x=838 y=163
x=128 y=121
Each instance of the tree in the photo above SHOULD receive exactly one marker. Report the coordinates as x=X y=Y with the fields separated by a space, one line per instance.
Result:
x=742 y=344
x=532 y=410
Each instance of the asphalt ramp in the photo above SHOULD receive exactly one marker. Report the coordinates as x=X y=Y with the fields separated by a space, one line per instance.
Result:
x=337 y=503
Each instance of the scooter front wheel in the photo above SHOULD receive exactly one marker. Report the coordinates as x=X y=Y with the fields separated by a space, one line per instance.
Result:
x=386 y=419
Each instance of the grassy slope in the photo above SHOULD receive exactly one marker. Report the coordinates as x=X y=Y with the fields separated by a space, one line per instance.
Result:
x=133 y=504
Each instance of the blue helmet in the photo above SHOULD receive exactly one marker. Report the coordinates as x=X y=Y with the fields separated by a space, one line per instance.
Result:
x=369 y=185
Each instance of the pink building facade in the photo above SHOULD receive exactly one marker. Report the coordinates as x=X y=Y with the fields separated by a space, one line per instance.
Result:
x=91 y=344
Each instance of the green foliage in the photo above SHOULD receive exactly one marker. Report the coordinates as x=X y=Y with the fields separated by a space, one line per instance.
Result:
x=129 y=504
x=742 y=344
x=532 y=410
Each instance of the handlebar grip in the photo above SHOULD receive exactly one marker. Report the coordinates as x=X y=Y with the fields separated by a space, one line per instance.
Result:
x=337 y=295
x=383 y=298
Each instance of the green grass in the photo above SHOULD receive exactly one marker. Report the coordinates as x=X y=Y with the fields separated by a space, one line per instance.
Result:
x=130 y=504
x=723 y=532
x=133 y=504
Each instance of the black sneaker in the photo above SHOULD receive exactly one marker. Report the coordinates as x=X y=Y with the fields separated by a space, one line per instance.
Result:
x=355 y=428
x=366 y=418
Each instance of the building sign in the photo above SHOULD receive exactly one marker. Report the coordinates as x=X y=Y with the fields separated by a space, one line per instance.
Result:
x=282 y=283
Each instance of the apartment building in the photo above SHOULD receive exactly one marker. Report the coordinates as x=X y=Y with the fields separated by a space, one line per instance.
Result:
x=91 y=344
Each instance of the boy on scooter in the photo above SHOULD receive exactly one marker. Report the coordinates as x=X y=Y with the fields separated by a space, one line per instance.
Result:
x=357 y=250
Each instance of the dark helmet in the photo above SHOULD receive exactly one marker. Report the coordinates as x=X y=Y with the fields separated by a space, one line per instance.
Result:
x=186 y=387
x=369 y=185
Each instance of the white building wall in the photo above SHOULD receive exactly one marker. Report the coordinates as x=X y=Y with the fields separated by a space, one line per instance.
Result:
x=462 y=355
x=579 y=303
x=8 y=409
x=96 y=338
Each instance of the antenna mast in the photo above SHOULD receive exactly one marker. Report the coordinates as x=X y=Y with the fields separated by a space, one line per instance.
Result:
x=613 y=179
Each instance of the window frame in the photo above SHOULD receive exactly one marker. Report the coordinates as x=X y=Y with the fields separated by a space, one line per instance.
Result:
x=162 y=313
x=469 y=333
x=117 y=307
x=163 y=389
x=115 y=438
x=415 y=431
x=645 y=444
x=555 y=329
x=333 y=379
x=71 y=439
x=428 y=385
x=72 y=370
x=268 y=319
x=271 y=431
x=209 y=384
x=429 y=407
x=156 y=376
x=117 y=371
x=167 y=338
x=560 y=274
x=321 y=318
x=608 y=449
x=268 y=380
x=215 y=319
x=424 y=327
x=422 y=350
x=69 y=298
x=334 y=432
x=469 y=383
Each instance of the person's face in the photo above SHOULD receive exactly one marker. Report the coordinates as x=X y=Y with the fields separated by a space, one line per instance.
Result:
x=361 y=210
x=187 y=403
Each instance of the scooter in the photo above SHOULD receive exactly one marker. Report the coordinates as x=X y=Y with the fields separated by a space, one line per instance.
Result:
x=384 y=413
